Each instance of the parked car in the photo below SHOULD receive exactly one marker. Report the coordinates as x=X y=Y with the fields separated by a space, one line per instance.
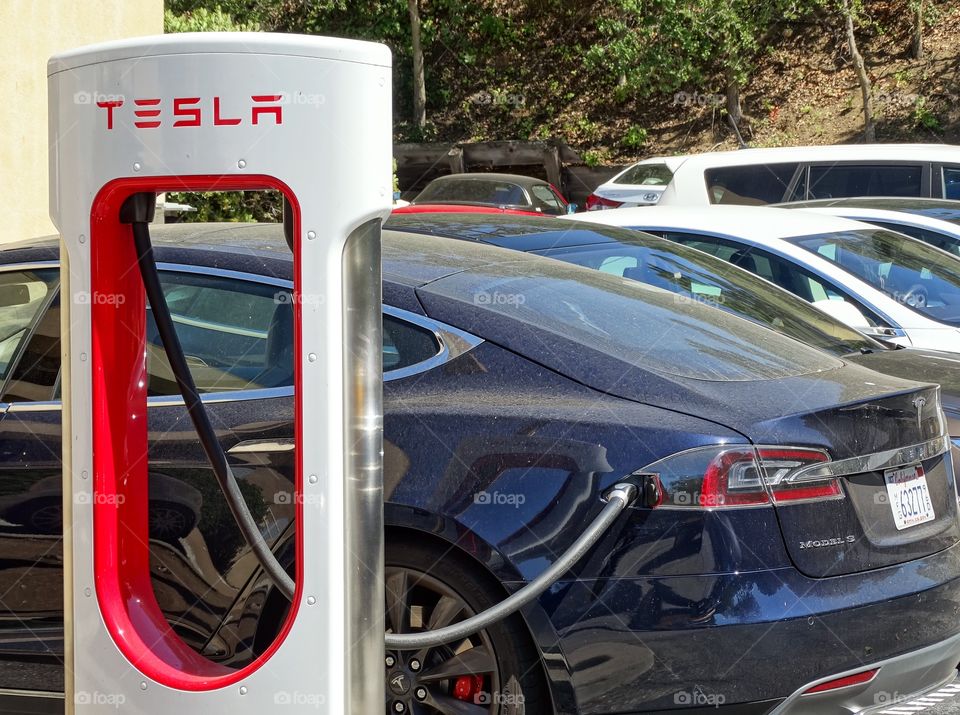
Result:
x=883 y=283
x=508 y=191
x=775 y=175
x=783 y=515
x=690 y=274
x=933 y=221
x=459 y=209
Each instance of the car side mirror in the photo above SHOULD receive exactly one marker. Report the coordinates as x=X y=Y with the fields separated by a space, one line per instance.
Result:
x=845 y=312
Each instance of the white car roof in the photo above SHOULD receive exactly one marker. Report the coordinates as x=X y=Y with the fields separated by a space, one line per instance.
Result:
x=829 y=152
x=900 y=217
x=757 y=223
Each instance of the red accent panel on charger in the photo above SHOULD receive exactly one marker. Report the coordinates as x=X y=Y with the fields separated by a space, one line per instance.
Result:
x=120 y=441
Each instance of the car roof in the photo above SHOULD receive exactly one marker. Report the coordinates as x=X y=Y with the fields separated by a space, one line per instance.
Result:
x=483 y=176
x=753 y=222
x=828 y=152
x=527 y=233
x=905 y=218
x=889 y=203
x=409 y=258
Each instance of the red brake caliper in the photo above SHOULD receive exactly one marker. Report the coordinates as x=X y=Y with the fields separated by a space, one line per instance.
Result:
x=466 y=687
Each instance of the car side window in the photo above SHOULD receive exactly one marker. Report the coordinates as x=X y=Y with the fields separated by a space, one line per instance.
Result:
x=24 y=298
x=546 y=200
x=843 y=180
x=951 y=182
x=755 y=184
x=406 y=345
x=36 y=375
x=235 y=334
x=944 y=243
x=775 y=269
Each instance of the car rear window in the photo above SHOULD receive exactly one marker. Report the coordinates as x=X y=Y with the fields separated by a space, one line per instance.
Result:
x=572 y=319
x=646 y=175
x=474 y=191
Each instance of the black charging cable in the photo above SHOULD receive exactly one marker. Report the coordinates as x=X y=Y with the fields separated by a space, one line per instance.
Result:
x=138 y=211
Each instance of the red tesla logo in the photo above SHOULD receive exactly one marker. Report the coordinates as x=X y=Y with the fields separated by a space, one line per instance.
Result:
x=194 y=112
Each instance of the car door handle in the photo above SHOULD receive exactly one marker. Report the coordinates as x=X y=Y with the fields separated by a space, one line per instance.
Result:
x=262 y=446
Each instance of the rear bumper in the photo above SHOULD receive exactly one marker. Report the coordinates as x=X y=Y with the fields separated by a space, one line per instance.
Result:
x=744 y=640
x=900 y=680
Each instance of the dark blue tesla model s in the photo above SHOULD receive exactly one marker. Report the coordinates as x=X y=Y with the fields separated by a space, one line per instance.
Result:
x=795 y=550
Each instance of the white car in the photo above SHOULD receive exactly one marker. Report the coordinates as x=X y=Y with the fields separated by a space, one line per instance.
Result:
x=883 y=283
x=767 y=176
x=933 y=221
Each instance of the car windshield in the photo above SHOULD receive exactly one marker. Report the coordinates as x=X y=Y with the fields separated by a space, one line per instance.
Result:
x=581 y=320
x=474 y=191
x=696 y=276
x=646 y=175
x=913 y=273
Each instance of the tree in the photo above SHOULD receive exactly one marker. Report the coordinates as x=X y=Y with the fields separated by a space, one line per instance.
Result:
x=849 y=11
x=419 y=83
x=916 y=35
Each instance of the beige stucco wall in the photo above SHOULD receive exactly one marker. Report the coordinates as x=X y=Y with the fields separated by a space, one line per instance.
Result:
x=31 y=31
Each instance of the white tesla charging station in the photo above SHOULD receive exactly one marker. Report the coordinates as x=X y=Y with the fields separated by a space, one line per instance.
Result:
x=310 y=117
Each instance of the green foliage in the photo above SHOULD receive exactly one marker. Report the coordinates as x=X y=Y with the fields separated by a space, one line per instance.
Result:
x=230 y=205
x=923 y=117
x=660 y=46
x=201 y=19
x=635 y=137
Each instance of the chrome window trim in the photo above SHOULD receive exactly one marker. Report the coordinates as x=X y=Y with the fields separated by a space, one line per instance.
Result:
x=31 y=266
x=453 y=342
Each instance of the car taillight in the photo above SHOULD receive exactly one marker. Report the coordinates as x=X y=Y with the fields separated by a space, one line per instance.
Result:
x=596 y=203
x=742 y=475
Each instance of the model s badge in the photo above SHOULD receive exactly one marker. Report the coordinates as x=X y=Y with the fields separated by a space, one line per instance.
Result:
x=820 y=543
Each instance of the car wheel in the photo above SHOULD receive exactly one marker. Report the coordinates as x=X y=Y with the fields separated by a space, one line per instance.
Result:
x=494 y=671
x=40 y=516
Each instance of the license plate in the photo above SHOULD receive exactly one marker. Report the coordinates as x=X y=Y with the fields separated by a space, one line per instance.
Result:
x=909 y=496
